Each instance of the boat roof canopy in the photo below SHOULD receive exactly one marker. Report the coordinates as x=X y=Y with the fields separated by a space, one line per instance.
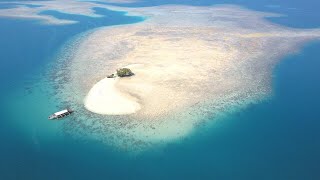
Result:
x=61 y=112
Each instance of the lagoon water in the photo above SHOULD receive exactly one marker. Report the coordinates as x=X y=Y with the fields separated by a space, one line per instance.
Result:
x=274 y=139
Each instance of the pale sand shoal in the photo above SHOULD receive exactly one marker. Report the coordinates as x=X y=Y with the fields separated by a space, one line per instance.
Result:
x=192 y=68
x=105 y=98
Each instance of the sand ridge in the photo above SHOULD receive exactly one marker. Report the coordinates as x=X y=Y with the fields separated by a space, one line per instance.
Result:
x=33 y=9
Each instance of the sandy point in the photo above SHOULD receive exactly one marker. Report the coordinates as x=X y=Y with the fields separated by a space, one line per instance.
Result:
x=105 y=98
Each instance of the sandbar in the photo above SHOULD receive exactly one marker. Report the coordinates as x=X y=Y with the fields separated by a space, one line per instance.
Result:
x=105 y=98
x=202 y=63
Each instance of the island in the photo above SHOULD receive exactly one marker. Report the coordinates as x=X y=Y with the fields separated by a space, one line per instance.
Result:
x=122 y=72
x=189 y=70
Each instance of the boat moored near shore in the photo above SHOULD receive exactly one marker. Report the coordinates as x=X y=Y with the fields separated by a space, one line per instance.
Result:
x=60 y=114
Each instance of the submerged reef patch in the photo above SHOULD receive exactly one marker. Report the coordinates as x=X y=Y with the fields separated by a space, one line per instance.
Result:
x=195 y=66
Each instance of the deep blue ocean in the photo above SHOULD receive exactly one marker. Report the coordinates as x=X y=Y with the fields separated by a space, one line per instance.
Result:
x=278 y=139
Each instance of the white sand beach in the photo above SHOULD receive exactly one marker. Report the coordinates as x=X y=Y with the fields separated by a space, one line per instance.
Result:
x=105 y=98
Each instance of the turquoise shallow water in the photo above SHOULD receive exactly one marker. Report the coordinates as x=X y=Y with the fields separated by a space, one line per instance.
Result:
x=277 y=139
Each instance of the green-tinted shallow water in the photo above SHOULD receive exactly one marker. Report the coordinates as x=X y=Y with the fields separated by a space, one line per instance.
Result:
x=277 y=139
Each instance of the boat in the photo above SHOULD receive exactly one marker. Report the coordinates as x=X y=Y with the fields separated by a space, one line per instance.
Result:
x=60 y=114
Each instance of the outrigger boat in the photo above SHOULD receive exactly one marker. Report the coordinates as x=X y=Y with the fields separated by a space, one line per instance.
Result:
x=60 y=114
